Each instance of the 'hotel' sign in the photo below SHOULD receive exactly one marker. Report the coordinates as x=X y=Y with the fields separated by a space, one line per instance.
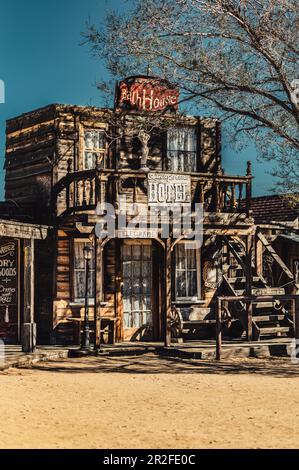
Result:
x=146 y=94
x=166 y=189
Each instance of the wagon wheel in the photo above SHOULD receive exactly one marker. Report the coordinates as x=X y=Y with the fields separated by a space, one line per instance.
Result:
x=176 y=323
x=226 y=317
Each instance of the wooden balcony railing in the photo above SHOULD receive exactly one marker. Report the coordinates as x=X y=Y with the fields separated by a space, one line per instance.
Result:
x=83 y=190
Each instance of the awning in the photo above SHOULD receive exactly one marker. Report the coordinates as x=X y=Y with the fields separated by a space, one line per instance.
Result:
x=13 y=229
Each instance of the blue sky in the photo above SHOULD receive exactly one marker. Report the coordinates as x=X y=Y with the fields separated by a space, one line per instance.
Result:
x=42 y=62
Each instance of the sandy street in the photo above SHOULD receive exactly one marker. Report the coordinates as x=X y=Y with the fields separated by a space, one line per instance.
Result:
x=148 y=402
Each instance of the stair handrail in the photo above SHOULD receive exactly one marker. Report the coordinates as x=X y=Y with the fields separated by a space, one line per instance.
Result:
x=275 y=255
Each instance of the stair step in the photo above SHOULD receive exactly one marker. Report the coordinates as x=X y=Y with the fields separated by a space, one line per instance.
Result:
x=274 y=330
x=240 y=292
x=234 y=280
x=267 y=318
x=263 y=305
x=235 y=266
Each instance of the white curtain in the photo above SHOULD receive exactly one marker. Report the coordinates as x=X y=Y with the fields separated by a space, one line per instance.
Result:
x=181 y=149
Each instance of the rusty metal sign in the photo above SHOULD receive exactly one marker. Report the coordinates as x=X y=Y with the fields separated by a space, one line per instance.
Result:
x=143 y=93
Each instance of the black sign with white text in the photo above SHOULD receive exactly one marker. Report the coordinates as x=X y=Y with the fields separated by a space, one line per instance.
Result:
x=8 y=272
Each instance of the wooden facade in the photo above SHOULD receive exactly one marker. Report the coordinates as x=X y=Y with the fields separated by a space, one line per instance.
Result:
x=17 y=281
x=53 y=174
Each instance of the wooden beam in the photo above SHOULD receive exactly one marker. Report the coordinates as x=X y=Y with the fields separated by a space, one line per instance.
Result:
x=218 y=329
x=167 y=268
x=29 y=327
x=98 y=290
x=13 y=229
x=274 y=255
x=248 y=289
x=235 y=253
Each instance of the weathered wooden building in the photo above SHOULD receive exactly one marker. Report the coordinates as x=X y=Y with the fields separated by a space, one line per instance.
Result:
x=62 y=161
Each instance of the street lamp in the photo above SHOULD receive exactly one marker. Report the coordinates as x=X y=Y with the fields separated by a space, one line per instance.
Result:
x=85 y=345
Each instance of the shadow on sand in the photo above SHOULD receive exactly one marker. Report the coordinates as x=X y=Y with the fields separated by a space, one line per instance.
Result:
x=151 y=363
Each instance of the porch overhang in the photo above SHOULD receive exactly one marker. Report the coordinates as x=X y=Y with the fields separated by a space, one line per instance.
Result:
x=14 y=229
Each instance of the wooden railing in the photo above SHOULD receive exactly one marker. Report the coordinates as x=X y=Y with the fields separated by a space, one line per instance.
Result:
x=250 y=300
x=83 y=190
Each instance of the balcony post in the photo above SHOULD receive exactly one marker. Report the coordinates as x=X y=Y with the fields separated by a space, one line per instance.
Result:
x=249 y=245
x=248 y=189
x=217 y=196
x=167 y=281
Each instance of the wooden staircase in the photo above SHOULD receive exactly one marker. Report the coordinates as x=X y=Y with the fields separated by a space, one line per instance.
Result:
x=269 y=319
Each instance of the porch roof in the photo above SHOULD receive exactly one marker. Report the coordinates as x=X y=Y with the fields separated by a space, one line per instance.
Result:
x=12 y=228
x=274 y=208
x=292 y=237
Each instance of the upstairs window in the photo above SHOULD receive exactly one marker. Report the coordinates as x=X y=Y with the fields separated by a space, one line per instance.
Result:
x=181 y=149
x=94 y=148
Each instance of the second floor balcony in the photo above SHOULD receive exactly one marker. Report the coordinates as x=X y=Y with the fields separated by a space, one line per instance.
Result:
x=81 y=191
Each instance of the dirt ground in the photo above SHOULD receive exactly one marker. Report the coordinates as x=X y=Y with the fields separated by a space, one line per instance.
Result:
x=149 y=402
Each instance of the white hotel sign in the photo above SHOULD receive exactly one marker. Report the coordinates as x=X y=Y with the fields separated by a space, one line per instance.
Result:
x=166 y=189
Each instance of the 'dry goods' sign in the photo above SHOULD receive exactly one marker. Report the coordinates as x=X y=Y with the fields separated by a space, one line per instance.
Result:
x=166 y=189
x=8 y=272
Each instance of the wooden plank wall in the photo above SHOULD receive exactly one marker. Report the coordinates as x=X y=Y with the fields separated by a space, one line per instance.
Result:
x=30 y=147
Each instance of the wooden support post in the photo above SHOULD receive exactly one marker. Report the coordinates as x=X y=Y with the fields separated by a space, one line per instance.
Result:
x=28 y=327
x=98 y=290
x=218 y=330
x=217 y=196
x=296 y=316
x=249 y=244
x=248 y=189
x=167 y=267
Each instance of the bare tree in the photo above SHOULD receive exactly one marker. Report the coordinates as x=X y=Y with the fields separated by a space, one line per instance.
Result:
x=234 y=58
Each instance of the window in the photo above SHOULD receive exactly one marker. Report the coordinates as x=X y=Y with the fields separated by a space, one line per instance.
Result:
x=182 y=149
x=94 y=148
x=186 y=273
x=79 y=272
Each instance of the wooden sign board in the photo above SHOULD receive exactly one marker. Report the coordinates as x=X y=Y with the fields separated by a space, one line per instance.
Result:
x=166 y=189
x=268 y=291
x=138 y=233
x=8 y=272
x=146 y=94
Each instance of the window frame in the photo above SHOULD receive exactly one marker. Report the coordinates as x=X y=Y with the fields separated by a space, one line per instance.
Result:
x=79 y=300
x=198 y=297
x=101 y=151
x=194 y=127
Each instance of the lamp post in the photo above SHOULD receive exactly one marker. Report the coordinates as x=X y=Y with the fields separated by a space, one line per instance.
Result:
x=85 y=345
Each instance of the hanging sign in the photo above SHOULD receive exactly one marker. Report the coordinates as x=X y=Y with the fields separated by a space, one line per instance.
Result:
x=146 y=94
x=8 y=272
x=165 y=189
